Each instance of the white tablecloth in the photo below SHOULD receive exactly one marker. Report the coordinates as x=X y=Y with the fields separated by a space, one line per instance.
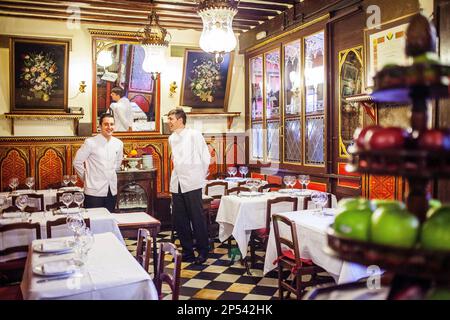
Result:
x=49 y=195
x=101 y=221
x=311 y=233
x=110 y=272
x=238 y=216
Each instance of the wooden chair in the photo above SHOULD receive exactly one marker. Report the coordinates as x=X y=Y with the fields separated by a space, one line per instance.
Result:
x=15 y=209
x=173 y=280
x=237 y=190
x=11 y=292
x=274 y=179
x=36 y=199
x=258 y=238
x=12 y=270
x=144 y=248
x=256 y=175
x=290 y=263
x=270 y=186
x=59 y=222
x=307 y=199
x=214 y=206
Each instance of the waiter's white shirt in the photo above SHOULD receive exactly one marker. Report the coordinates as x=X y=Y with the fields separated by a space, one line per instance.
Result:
x=123 y=114
x=96 y=163
x=191 y=160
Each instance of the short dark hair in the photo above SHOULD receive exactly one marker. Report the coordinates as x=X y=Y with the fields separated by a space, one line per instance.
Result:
x=178 y=113
x=118 y=91
x=103 y=116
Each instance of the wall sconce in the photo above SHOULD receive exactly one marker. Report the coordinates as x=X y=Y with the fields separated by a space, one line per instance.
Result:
x=173 y=88
x=82 y=87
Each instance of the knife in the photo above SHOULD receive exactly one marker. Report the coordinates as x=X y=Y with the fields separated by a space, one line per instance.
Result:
x=66 y=276
x=55 y=254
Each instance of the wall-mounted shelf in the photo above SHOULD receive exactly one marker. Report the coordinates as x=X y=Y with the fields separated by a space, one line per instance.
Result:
x=229 y=115
x=46 y=117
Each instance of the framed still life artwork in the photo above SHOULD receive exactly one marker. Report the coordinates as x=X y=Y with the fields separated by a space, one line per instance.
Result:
x=39 y=75
x=205 y=83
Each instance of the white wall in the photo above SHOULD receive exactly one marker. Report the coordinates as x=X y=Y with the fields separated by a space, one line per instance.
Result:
x=80 y=69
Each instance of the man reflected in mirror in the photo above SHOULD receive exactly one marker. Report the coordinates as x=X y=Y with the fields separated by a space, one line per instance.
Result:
x=122 y=110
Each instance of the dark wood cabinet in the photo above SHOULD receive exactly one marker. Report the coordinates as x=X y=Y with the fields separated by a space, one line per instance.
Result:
x=136 y=191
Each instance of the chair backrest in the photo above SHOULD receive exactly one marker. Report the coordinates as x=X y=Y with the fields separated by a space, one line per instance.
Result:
x=173 y=280
x=144 y=248
x=291 y=243
x=274 y=179
x=61 y=221
x=272 y=202
x=270 y=186
x=34 y=200
x=18 y=226
x=256 y=175
x=16 y=209
x=307 y=200
x=237 y=190
x=217 y=185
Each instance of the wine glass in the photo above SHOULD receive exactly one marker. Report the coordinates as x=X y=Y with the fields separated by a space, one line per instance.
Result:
x=232 y=171
x=304 y=180
x=78 y=198
x=29 y=182
x=67 y=199
x=319 y=199
x=76 y=223
x=13 y=183
x=243 y=170
x=21 y=203
x=73 y=179
x=86 y=241
x=66 y=180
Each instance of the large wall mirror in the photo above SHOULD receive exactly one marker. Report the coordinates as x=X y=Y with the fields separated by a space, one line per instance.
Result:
x=117 y=62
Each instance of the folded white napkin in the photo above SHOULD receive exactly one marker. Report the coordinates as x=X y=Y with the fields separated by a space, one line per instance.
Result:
x=9 y=221
x=69 y=210
x=51 y=246
x=60 y=266
x=7 y=215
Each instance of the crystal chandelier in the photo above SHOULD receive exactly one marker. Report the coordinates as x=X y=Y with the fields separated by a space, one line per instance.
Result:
x=217 y=36
x=155 y=41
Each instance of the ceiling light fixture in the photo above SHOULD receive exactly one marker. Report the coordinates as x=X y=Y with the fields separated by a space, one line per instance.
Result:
x=155 y=41
x=217 y=36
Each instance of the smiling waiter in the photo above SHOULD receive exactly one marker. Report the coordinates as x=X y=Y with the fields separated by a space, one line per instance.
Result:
x=96 y=163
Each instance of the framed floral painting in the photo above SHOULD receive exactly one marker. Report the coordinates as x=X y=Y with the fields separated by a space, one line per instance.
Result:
x=39 y=75
x=205 y=83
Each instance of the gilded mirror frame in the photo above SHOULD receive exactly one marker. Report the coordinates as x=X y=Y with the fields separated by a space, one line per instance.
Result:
x=102 y=39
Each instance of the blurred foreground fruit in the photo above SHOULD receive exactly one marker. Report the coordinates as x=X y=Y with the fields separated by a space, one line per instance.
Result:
x=353 y=223
x=436 y=230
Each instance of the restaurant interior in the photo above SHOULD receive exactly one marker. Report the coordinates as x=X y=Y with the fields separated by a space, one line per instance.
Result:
x=326 y=122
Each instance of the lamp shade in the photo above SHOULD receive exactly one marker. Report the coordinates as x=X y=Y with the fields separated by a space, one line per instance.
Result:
x=155 y=58
x=104 y=58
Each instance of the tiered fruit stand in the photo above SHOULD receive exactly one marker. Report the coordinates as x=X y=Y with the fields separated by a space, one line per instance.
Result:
x=415 y=269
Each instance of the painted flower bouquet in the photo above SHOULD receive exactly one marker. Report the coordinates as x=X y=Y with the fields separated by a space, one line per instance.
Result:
x=39 y=75
x=205 y=79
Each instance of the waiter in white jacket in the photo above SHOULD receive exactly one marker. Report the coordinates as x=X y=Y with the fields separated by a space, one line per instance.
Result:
x=191 y=160
x=96 y=163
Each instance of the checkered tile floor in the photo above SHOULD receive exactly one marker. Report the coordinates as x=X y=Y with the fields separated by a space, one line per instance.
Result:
x=216 y=279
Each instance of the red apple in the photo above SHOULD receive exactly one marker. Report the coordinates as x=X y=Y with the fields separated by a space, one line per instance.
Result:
x=386 y=138
x=435 y=140
x=360 y=135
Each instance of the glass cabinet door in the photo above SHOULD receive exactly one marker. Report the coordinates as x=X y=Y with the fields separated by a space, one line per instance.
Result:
x=273 y=103
x=314 y=82
x=292 y=103
x=256 y=106
x=132 y=196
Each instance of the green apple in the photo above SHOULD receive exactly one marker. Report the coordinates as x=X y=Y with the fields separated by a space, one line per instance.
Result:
x=438 y=294
x=378 y=203
x=353 y=223
x=436 y=230
x=434 y=206
x=354 y=204
x=394 y=227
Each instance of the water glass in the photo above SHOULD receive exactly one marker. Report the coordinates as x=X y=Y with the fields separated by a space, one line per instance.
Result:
x=76 y=224
x=243 y=170
x=67 y=199
x=78 y=198
x=319 y=199
x=304 y=180
x=22 y=203
x=73 y=179
x=29 y=182
x=232 y=171
x=14 y=183
x=66 y=180
x=85 y=243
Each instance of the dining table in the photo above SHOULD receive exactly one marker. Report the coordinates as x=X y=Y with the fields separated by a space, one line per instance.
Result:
x=311 y=228
x=238 y=215
x=110 y=272
x=49 y=194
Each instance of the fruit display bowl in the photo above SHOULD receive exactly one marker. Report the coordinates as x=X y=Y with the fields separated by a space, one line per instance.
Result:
x=420 y=263
x=408 y=163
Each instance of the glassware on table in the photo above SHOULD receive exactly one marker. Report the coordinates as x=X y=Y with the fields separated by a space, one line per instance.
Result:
x=22 y=203
x=67 y=199
x=253 y=184
x=3 y=203
x=243 y=170
x=232 y=171
x=29 y=181
x=304 y=180
x=319 y=199
x=76 y=224
x=78 y=198
x=85 y=243
x=74 y=179
x=13 y=183
x=66 y=180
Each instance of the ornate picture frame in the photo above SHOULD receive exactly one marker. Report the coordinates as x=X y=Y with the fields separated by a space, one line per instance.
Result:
x=205 y=83
x=39 y=74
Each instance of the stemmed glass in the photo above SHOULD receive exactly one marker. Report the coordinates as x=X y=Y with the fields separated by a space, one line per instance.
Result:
x=29 y=182
x=73 y=179
x=78 y=198
x=253 y=184
x=76 y=223
x=243 y=170
x=67 y=199
x=66 y=180
x=319 y=199
x=304 y=180
x=13 y=183
x=84 y=244
x=21 y=203
x=232 y=171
